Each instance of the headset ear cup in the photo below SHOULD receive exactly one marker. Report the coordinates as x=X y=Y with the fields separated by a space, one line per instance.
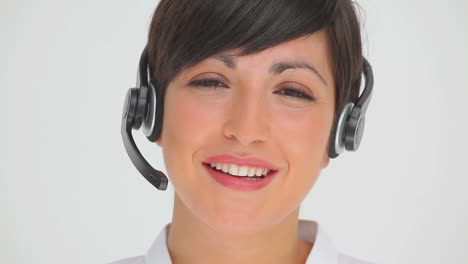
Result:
x=148 y=123
x=354 y=130
x=153 y=122
x=130 y=105
x=337 y=138
x=331 y=142
x=141 y=107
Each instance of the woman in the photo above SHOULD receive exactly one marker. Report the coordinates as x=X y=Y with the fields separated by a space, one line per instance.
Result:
x=248 y=96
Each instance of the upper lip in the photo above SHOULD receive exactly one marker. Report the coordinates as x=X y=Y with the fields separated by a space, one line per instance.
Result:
x=251 y=161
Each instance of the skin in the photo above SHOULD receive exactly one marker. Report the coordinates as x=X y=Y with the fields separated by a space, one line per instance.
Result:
x=245 y=116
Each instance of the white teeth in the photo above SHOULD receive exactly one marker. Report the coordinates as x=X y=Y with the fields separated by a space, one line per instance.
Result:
x=233 y=170
x=225 y=168
x=236 y=170
x=252 y=179
x=243 y=171
x=259 y=172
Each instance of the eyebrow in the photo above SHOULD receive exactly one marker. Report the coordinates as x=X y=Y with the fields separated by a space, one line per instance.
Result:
x=276 y=68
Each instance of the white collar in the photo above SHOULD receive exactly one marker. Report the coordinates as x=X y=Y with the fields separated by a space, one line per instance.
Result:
x=323 y=251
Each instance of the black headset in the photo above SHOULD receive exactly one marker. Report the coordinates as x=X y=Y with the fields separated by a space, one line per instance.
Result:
x=143 y=109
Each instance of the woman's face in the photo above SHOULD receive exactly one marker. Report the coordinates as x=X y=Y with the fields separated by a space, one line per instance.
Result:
x=249 y=110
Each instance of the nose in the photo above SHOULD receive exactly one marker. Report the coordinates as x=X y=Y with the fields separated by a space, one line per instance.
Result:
x=247 y=120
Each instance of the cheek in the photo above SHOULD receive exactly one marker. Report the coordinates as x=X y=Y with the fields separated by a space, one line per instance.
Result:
x=188 y=123
x=188 y=120
x=304 y=133
x=303 y=139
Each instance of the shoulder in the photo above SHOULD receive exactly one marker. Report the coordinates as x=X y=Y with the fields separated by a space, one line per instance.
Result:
x=345 y=259
x=323 y=250
x=132 y=260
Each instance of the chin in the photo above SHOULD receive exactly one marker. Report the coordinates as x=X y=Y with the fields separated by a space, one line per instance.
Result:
x=235 y=224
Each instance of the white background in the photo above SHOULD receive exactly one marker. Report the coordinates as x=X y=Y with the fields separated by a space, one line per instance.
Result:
x=69 y=193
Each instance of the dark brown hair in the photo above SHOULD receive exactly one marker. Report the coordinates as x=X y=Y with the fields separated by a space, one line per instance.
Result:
x=184 y=32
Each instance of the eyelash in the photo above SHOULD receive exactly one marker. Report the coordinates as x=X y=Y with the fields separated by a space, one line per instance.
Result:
x=288 y=91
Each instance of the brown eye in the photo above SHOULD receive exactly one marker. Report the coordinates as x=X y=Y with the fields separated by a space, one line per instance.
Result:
x=296 y=93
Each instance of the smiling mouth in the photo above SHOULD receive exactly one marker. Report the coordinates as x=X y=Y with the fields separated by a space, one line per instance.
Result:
x=253 y=177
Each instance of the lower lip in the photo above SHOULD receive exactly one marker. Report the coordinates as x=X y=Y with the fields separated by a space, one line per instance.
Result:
x=237 y=183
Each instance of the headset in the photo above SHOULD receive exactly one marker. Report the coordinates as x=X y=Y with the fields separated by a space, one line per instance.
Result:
x=143 y=109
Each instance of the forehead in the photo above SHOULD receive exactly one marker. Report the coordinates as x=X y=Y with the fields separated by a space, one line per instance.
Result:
x=307 y=52
x=313 y=46
x=296 y=54
x=310 y=52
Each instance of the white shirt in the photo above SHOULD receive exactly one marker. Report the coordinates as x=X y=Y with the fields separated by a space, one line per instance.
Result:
x=323 y=250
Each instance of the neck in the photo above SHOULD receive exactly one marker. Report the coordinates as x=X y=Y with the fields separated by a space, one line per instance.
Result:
x=190 y=240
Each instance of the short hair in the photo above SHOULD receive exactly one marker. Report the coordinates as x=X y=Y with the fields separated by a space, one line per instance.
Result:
x=185 y=32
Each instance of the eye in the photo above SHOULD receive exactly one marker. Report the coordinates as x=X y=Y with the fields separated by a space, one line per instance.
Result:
x=288 y=91
x=207 y=84
x=296 y=93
